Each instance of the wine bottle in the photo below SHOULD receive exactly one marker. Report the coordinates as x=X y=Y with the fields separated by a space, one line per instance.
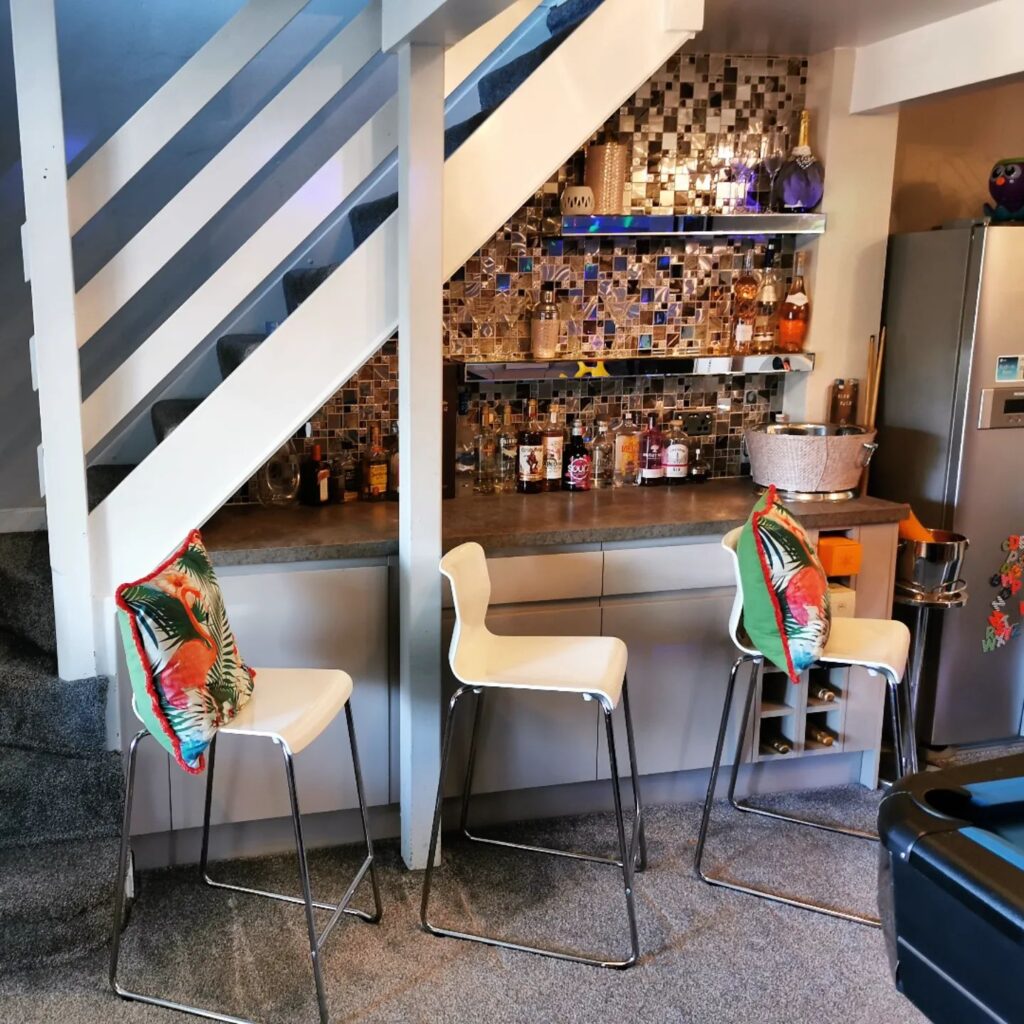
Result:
x=767 y=306
x=773 y=742
x=820 y=734
x=795 y=311
x=744 y=304
x=822 y=692
x=801 y=182
x=530 y=478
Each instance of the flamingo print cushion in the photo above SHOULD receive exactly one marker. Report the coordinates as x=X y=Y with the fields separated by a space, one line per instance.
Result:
x=187 y=676
x=786 y=609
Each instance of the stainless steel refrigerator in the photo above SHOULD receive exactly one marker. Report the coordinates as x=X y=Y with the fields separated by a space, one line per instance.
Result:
x=951 y=443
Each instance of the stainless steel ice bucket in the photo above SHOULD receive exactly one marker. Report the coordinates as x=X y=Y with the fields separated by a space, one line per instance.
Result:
x=932 y=566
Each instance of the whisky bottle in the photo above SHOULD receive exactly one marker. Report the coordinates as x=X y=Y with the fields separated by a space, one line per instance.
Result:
x=603 y=457
x=795 y=311
x=486 y=454
x=652 y=441
x=375 y=469
x=627 y=452
x=744 y=306
x=576 y=464
x=554 y=448
x=767 y=306
x=530 y=453
x=544 y=324
x=821 y=734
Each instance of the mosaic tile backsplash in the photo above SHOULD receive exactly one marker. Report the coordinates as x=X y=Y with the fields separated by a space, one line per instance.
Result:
x=619 y=297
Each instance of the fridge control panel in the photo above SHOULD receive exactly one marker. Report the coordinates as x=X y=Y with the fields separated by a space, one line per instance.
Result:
x=1001 y=407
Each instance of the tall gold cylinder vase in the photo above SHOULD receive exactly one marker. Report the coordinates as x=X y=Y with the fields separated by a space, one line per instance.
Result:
x=607 y=167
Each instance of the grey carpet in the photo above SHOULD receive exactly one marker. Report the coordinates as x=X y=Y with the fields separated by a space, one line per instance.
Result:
x=709 y=956
x=974 y=753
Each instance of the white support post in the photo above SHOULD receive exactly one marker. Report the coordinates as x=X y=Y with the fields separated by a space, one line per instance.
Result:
x=420 y=227
x=41 y=126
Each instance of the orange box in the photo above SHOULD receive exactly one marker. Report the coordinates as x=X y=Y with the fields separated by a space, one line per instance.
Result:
x=840 y=556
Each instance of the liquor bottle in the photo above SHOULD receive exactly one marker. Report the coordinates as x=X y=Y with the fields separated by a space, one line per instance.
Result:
x=576 y=463
x=767 y=306
x=530 y=450
x=350 y=472
x=652 y=441
x=508 y=446
x=486 y=454
x=773 y=742
x=801 y=182
x=603 y=457
x=315 y=479
x=375 y=469
x=391 y=447
x=821 y=691
x=627 y=452
x=744 y=306
x=795 y=311
x=554 y=447
x=700 y=471
x=544 y=324
x=821 y=733
x=675 y=455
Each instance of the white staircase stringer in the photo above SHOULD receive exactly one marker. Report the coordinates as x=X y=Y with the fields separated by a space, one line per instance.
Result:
x=216 y=449
x=598 y=67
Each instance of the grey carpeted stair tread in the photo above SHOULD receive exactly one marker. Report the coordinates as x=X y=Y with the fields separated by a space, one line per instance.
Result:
x=53 y=797
x=367 y=217
x=169 y=414
x=26 y=589
x=234 y=349
x=458 y=133
x=55 y=901
x=41 y=711
x=497 y=85
x=570 y=13
x=101 y=479
x=300 y=284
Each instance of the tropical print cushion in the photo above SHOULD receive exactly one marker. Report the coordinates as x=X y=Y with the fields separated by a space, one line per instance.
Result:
x=187 y=676
x=786 y=610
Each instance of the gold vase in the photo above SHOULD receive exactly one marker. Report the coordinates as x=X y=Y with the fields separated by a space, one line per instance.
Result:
x=607 y=166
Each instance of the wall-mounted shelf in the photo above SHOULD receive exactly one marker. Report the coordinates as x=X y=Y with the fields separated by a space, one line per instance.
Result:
x=642 y=366
x=696 y=226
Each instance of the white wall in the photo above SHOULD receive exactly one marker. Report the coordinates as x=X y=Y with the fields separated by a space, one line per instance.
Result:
x=847 y=264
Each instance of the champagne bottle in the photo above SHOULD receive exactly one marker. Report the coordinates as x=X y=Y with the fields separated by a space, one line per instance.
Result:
x=801 y=182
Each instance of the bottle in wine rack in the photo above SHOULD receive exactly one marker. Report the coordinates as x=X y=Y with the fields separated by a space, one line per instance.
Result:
x=822 y=691
x=821 y=734
x=773 y=742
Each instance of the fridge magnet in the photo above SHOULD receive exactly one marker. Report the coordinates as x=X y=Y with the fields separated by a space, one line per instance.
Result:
x=1006 y=186
x=1008 y=580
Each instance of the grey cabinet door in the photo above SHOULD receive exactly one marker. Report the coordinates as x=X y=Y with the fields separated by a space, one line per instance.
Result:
x=680 y=655
x=294 y=617
x=528 y=739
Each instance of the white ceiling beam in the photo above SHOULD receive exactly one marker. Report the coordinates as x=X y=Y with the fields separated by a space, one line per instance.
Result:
x=435 y=22
x=975 y=46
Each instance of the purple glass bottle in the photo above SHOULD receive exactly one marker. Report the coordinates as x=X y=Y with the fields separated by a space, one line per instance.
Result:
x=801 y=182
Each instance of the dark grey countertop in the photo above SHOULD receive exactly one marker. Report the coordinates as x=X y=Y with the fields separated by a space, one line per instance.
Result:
x=252 y=535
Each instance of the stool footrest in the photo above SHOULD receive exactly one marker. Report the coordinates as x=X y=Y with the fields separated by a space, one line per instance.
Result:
x=591 y=858
x=794 y=819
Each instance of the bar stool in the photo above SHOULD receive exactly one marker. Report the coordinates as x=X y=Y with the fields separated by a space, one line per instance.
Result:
x=291 y=707
x=879 y=645
x=592 y=667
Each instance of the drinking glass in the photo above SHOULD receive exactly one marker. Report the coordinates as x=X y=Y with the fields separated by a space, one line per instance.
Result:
x=774 y=158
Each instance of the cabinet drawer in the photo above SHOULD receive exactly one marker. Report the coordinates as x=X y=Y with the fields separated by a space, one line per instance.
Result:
x=524 y=579
x=648 y=570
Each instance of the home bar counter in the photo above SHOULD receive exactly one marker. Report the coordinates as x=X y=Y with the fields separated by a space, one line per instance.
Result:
x=318 y=588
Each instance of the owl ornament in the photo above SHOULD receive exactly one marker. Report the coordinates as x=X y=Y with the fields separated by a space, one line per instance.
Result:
x=1006 y=184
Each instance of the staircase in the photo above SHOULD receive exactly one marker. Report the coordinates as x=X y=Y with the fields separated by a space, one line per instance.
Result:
x=60 y=789
x=327 y=258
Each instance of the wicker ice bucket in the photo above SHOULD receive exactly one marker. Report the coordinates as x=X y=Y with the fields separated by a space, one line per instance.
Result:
x=809 y=458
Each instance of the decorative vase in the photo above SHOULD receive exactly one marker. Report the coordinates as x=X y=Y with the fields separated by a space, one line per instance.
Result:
x=577 y=200
x=607 y=164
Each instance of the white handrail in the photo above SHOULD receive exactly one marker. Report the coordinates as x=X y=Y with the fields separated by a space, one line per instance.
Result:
x=174 y=104
x=253 y=262
x=237 y=163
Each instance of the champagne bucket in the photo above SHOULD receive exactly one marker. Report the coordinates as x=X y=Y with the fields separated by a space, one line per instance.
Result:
x=606 y=176
x=932 y=566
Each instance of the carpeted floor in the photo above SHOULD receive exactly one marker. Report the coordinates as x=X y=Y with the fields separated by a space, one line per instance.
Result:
x=709 y=956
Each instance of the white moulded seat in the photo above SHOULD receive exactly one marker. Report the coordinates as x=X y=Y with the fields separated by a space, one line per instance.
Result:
x=879 y=645
x=291 y=707
x=591 y=667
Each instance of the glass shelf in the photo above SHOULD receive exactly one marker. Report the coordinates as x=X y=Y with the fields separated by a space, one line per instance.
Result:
x=642 y=366
x=695 y=226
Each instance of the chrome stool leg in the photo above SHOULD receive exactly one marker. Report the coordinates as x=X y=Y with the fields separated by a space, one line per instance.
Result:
x=624 y=861
x=638 y=844
x=751 y=890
